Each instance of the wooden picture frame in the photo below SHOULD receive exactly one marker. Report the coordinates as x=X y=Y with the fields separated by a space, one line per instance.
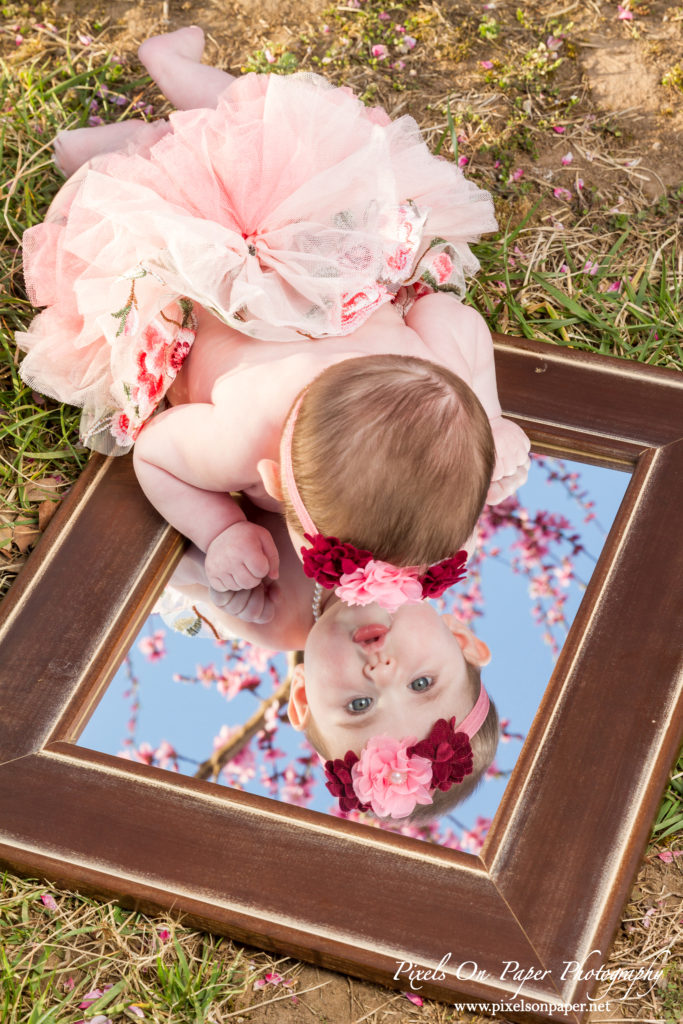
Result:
x=567 y=840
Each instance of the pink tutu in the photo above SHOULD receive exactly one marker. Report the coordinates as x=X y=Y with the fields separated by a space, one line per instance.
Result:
x=290 y=210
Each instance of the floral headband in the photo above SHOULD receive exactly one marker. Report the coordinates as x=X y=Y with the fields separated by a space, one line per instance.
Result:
x=357 y=577
x=391 y=776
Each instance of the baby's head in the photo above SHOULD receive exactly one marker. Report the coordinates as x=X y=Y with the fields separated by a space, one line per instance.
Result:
x=392 y=454
x=369 y=674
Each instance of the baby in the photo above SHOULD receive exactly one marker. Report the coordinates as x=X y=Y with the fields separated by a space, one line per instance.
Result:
x=280 y=256
x=377 y=690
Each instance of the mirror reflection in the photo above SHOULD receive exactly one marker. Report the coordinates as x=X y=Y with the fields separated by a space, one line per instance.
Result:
x=205 y=703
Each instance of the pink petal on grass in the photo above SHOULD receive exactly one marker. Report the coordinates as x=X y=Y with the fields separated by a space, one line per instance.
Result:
x=623 y=13
x=414 y=999
x=48 y=901
x=562 y=193
x=567 y=159
x=559 y=128
x=90 y=997
x=517 y=174
x=668 y=855
x=135 y=1010
x=463 y=161
x=486 y=64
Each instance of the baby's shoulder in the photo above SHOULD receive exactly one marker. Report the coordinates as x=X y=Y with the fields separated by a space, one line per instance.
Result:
x=270 y=383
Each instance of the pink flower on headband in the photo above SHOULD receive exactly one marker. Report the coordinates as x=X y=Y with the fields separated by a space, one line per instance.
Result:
x=390 y=780
x=443 y=575
x=328 y=559
x=449 y=753
x=362 y=579
x=386 y=584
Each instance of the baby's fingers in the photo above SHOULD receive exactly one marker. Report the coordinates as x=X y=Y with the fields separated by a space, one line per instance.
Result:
x=251 y=605
x=507 y=485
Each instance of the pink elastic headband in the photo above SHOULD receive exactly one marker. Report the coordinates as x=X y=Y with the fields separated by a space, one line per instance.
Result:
x=294 y=496
x=473 y=722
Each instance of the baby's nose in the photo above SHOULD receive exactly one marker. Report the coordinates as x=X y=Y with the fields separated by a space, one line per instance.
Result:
x=379 y=667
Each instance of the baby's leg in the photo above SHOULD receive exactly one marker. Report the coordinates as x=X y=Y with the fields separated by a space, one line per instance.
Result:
x=73 y=148
x=173 y=61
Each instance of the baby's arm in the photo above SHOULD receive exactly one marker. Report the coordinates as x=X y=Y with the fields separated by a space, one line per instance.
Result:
x=460 y=339
x=187 y=460
x=284 y=618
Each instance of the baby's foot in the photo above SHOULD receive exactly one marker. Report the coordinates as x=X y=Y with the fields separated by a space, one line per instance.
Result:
x=75 y=147
x=173 y=61
x=164 y=50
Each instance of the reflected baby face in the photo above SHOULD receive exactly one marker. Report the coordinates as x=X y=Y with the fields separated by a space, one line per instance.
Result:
x=369 y=673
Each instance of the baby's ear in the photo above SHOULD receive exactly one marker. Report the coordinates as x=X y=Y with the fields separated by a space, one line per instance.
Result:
x=474 y=649
x=297 y=709
x=269 y=471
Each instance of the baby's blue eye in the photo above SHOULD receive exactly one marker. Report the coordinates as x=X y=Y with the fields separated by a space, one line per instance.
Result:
x=421 y=684
x=359 y=704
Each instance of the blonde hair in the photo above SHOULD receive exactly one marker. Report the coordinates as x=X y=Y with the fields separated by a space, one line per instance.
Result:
x=484 y=744
x=393 y=454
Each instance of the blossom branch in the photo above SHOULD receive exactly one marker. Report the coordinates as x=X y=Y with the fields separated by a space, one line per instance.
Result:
x=222 y=755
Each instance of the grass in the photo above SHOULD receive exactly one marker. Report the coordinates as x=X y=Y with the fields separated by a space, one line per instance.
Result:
x=596 y=266
x=121 y=965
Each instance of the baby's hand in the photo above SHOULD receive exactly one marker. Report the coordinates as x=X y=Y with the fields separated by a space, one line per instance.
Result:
x=257 y=605
x=512 y=460
x=240 y=557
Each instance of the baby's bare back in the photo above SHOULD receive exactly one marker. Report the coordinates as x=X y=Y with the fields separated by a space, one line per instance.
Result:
x=225 y=366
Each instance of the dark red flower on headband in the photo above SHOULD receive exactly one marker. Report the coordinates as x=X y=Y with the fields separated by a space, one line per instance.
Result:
x=449 y=751
x=443 y=575
x=340 y=783
x=328 y=559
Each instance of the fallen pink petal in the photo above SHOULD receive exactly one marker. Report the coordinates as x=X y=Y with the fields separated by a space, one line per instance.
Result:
x=48 y=901
x=562 y=193
x=567 y=159
x=623 y=13
x=486 y=64
x=559 y=128
x=668 y=855
x=463 y=161
x=90 y=997
x=414 y=999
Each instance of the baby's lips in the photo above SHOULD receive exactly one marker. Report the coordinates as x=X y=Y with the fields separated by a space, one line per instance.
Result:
x=370 y=637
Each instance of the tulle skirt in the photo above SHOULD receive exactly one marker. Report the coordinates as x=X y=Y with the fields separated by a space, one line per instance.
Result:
x=291 y=210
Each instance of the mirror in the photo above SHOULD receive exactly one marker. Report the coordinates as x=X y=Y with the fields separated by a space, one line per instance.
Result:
x=551 y=878
x=177 y=700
